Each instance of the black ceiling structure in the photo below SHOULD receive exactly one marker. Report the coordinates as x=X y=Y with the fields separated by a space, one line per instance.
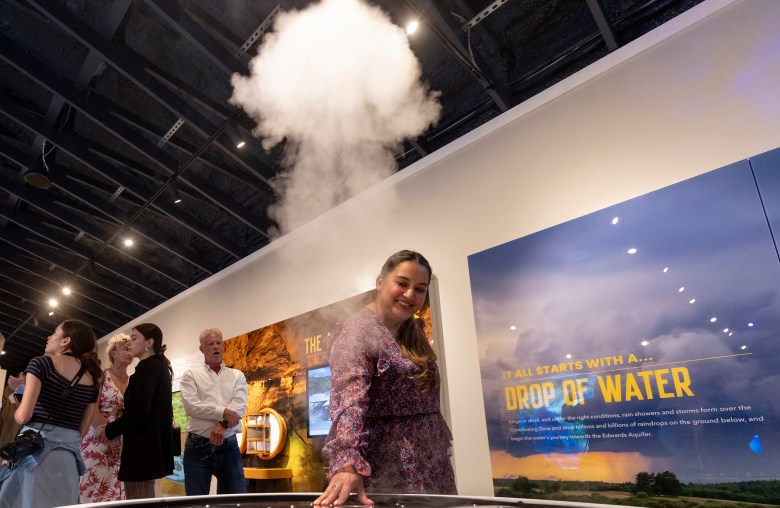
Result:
x=115 y=123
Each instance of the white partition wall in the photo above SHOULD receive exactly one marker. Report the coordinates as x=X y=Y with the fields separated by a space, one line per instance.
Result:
x=696 y=94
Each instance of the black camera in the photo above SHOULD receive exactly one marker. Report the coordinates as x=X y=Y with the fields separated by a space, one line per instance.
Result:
x=26 y=443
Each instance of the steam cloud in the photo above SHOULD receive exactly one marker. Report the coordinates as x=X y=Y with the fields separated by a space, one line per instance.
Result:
x=339 y=82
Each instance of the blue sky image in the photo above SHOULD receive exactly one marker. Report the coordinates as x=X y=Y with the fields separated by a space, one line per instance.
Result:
x=686 y=277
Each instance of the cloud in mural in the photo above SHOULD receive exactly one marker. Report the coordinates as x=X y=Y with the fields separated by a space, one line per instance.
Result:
x=339 y=84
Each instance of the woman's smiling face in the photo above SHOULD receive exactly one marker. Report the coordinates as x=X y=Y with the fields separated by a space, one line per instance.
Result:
x=401 y=293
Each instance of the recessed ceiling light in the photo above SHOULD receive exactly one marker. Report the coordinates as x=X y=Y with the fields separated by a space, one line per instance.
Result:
x=66 y=290
x=51 y=313
x=177 y=201
x=692 y=300
x=713 y=319
x=615 y=220
x=412 y=26
x=632 y=250
x=681 y=289
x=513 y=328
x=53 y=302
x=240 y=144
x=128 y=242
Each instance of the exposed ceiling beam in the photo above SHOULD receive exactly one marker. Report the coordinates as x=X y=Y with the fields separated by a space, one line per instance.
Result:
x=9 y=323
x=441 y=28
x=74 y=147
x=45 y=202
x=132 y=66
x=20 y=242
x=205 y=158
x=605 y=27
x=192 y=30
x=16 y=285
x=98 y=109
x=31 y=223
x=251 y=157
x=12 y=303
x=35 y=275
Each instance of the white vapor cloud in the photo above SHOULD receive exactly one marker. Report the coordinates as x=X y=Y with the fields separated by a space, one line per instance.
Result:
x=339 y=83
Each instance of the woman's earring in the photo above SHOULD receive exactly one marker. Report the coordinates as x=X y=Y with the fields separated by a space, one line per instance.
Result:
x=146 y=348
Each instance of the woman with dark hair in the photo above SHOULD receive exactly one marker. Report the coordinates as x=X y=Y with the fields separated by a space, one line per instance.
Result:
x=145 y=424
x=60 y=411
x=388 y=434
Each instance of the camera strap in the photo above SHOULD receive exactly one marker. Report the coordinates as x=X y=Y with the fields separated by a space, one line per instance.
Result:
x=67 y=391
x=65 y=394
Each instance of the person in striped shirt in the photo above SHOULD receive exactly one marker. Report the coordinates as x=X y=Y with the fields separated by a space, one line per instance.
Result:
x=50 y=475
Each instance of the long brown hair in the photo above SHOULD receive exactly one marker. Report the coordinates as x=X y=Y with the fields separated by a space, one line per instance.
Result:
x=83 y=344
x=411 y=335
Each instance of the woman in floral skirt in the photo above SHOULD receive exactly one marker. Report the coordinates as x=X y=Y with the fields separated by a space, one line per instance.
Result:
x=100 y=483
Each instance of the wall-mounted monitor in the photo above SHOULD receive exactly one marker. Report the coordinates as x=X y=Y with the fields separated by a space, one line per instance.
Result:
x=318 y=398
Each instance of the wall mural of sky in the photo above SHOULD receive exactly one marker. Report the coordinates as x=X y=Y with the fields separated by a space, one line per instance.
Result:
x=642 y=337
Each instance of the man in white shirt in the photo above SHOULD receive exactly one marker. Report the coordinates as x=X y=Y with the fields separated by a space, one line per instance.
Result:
x=214 y=397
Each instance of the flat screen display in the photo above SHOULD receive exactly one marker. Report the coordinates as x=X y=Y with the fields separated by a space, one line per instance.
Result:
x=318 y=399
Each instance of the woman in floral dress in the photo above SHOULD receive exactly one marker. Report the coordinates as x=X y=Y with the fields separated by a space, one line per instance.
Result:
x=99 y=482
x=388 y=433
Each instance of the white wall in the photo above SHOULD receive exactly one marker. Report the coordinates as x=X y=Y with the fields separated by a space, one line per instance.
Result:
x=696 y=94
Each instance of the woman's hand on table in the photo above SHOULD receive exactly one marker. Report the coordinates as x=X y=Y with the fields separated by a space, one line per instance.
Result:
x=339 y=488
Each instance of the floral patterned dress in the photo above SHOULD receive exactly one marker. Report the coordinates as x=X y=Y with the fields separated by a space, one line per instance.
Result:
x=391 y=434
x=99 y=482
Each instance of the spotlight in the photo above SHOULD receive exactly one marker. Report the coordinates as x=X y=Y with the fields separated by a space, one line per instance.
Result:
x=172 y=193
x=37 y=175
x=240 y=144
x=128 y=242
x=66 y=291
x=412 y=27
x=53 y=302
x=51 y=313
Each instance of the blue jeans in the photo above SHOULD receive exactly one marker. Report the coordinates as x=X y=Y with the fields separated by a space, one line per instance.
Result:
x=202 y=459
